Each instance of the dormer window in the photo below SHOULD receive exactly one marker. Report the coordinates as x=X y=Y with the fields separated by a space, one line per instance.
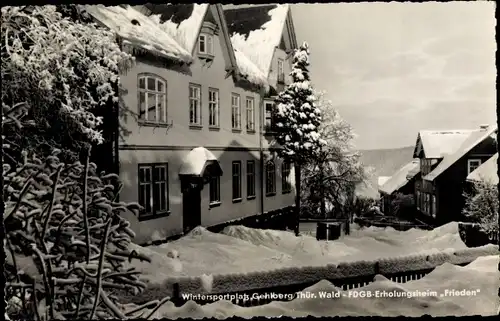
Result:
x=472 y=165
x=206 y=44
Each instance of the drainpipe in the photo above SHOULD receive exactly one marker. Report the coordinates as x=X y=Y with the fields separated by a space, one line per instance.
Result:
x=261 y=149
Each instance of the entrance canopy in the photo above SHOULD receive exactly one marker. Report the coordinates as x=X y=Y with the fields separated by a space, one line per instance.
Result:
x=200 y=162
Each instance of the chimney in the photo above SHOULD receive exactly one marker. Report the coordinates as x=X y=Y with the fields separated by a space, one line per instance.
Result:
x=484 y=126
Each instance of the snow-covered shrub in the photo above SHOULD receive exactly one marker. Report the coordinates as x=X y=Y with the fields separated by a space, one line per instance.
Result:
x=297 y=120
x=65 y=71
x=481 y=206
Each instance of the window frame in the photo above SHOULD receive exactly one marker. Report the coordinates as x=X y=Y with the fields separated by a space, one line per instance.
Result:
x=469 y=163
x=269 y=128
x=433 y=205
x=208 y=43
x=270 y=192
x=286 y=166
x=418 y=196
x=251 y=192
x=238 y=114
x=217 y=201
x=156 y=92
x=154 y=213
x=250 y=118
x=236 y=198
x=199 y=106
x=281 y=73
x=212 y=90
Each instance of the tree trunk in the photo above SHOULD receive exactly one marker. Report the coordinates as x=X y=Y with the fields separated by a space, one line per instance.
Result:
x=322 y=190
x=297 y=198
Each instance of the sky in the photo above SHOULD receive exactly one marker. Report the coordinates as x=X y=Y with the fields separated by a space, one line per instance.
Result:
x=392 y=69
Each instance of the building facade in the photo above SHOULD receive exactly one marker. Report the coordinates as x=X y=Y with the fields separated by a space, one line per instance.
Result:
x=193 y=150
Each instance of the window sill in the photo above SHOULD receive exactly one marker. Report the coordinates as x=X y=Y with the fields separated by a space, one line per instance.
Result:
x=214 y=128
x=196 y=127
x=214 y=204
x=236 y=130
x=237 y=200
x=269 y=133
x=286 y=192
x=270 y=194
x=207 y=56
x=251 y=131
x=251 y=197
x=147 y=217
x=152 y=124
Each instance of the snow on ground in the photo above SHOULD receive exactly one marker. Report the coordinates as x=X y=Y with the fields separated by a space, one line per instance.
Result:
x=407 y=298
x=240 y=249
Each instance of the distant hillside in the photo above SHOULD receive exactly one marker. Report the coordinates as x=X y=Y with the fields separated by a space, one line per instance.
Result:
x=383 y=162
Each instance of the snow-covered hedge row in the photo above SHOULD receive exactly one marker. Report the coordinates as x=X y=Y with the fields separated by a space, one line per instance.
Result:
x=298 y=275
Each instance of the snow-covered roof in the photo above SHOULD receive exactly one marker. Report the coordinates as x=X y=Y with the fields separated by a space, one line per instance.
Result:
x=439 y=143
x=399 y=179
x=474 y=139
x=486 y=172
x=181 y=21
x=250 y=71
x=196 y=160
x=139 y=31
x=382 y=180
x=256 y=31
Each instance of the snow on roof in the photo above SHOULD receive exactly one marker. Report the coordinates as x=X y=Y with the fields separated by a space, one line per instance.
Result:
x=138 y=30
x=181 y=21
x=475 y=138
x=382 y=180
x=250 y=71
x=257 y=44
x=438 y=143
x=486 y=172
x=399 y=179
x=195 y=161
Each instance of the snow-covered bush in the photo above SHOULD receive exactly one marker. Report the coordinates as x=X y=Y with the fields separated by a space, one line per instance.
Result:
x=64 y=70
x=297 y=119
x=66 y=242
x=481 y=206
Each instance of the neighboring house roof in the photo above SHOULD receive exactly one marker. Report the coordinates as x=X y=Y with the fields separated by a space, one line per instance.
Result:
x=139 y=31
x=486 y=172
x=399 y=179
x=474 y=139
x=256 y=31
x=439 y=143
x=382 y=180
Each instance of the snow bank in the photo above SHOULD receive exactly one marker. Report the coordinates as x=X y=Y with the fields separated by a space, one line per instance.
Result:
x=144 y=34
x=242 y=258
x=388 y=298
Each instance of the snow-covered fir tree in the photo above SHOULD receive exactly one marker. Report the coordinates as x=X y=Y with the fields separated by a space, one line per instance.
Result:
x=297 y=119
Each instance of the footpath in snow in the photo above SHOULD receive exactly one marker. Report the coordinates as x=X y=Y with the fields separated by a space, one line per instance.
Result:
x=240 y=249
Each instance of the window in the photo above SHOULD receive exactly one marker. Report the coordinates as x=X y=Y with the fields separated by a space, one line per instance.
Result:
x=286 y=186
x=152 y=99
x=281 y=71
x=194 y=105
x=418 y=196
x=205 y=44
x=153 y=190
x=270 y=178
x=236 y=181
x=427 y=200
x=472 y=165
x=250 y=114
x=214 y=187
x=213 y=107
x=269 y=119
x=235 y=111
x=434 y=206
x=250 y=179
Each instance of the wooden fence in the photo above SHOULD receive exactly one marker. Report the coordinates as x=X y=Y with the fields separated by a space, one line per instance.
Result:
x=256 y=297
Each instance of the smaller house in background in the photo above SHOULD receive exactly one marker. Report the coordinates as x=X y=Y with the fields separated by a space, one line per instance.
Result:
x=401 y=182
x=487 y=172
x=447 y=158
